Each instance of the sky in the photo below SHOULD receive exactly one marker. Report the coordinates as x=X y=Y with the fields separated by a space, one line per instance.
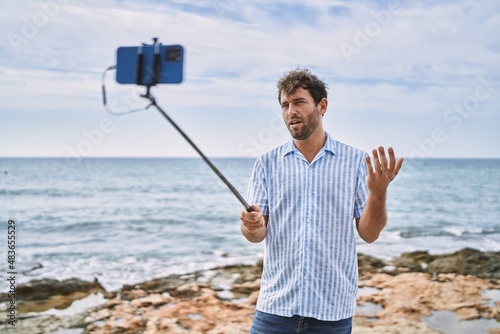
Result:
x=420 y=76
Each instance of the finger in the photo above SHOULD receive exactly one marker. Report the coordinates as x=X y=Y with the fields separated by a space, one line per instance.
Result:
x=251 y=223
x=256 y=208
x=383 y=159
x=376 y=160
x=248 y=217
x=392 y=158
x=255 y=217
x=399 y=164
x=369 y=166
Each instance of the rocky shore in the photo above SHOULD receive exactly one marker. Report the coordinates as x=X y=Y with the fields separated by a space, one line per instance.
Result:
x=414 y=293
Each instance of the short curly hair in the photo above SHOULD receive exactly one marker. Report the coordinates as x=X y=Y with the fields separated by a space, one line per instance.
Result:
x=302 y=78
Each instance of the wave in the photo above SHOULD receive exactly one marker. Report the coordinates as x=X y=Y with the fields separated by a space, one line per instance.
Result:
x=447 y=232
x=46 y=192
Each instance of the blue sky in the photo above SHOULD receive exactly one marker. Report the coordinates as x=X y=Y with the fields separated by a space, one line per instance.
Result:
x=421 y=76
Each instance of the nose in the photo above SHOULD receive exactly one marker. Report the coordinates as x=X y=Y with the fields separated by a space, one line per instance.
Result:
x=291 y=110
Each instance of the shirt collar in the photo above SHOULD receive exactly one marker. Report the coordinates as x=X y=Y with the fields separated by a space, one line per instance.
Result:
x=330 y=145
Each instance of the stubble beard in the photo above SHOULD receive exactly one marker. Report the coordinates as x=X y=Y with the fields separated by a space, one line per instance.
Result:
x=310 y=124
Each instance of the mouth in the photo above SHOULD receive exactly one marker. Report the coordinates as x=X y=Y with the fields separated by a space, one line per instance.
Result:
x=294 y=124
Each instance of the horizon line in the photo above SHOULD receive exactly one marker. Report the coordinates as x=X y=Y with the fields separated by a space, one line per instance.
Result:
x=215 y=157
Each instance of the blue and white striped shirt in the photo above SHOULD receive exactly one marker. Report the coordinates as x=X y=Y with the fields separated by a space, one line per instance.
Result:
x=310 y=263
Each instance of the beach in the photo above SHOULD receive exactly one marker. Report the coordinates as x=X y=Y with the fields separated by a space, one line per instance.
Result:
x=415 y=293
x=138 y=245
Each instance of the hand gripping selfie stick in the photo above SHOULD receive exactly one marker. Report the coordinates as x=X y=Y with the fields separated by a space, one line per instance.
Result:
x=166 y=67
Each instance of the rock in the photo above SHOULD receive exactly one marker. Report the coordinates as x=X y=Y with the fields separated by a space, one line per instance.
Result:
x=191 y=304
x=468 y=262
x=39 y=324
x=400 y=326
x=168 y=325
x=45 y=288
x=465 y=262
x=133 y=294
x=41 y=295
x=161 y=285
x=369 y=264
x=204 y=313
x=247 y=287
x=186 y=291
x=469 y=313
x=151 y=300
x=414 y=261
x=99 y=315
x=245 y=273
x=411 y=296
x=123 y=320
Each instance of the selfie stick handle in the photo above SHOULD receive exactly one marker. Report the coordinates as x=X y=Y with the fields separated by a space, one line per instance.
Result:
x=221 y=176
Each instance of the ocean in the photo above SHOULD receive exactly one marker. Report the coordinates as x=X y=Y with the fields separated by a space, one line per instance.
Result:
x=127 y=220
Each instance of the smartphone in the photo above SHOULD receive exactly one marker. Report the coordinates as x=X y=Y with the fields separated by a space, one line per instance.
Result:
x=149 y=65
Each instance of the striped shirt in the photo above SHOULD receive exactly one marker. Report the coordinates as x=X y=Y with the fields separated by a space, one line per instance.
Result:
x=310 y=263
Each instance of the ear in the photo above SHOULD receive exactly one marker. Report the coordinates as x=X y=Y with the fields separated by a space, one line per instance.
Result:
x=323 y=106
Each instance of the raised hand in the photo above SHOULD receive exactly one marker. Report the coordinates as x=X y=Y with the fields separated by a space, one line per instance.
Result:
x=382 y=172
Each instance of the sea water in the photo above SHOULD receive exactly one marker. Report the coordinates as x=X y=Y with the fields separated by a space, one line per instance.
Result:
x=125 y=220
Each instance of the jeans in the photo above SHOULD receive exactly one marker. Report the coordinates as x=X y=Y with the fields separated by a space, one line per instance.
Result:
x=264 y=323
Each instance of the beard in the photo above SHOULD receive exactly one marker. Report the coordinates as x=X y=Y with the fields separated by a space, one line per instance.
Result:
x=308 y=126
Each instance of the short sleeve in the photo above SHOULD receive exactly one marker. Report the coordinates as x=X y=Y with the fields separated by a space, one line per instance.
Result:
x=257 y=190
x=361 y=194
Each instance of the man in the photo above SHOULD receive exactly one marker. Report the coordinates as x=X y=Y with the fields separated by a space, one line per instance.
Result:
x=306 y=195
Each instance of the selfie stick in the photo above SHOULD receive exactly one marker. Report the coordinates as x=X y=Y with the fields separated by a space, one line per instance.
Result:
x=151 y=98
x=156 y=75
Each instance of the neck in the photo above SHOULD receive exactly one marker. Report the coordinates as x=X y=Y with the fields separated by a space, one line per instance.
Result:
x=310 y=147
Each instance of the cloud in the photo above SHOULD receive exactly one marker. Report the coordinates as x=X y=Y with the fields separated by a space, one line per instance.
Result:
x=407 y=58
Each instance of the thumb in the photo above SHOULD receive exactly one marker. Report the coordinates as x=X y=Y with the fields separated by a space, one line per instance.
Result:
x=255 y=208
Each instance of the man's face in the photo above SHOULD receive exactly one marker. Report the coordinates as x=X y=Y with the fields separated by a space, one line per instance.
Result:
x=300 y=114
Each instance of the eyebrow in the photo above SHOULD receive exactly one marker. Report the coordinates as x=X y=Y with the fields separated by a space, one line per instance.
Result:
x=299 y=99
